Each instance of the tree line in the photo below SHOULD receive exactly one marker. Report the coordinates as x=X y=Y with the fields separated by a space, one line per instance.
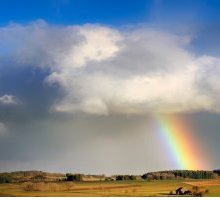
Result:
x=160 y=175
x=179 y=174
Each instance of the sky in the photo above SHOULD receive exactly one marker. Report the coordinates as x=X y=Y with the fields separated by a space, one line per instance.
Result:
x=82 y=83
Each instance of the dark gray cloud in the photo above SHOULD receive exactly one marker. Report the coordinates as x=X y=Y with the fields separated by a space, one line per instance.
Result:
x=30 y=97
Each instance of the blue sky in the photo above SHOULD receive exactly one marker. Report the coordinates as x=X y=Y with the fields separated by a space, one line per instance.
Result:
x=114 y=12
x=81 y=80
x=75 y=11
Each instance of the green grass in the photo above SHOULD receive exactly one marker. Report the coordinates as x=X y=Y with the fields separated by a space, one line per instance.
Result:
x=105 y=188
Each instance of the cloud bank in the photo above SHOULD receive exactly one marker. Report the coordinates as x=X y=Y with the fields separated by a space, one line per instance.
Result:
x=103 y=70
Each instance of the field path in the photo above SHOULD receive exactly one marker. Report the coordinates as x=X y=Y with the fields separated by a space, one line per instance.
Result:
x=204 y=183
x=106 y=187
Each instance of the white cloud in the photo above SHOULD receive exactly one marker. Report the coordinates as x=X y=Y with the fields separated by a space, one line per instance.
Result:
x=99 y=44
x=102 y=70
x=8 y=100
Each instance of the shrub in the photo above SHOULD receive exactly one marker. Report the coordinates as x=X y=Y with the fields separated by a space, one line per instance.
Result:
x=68 y=186
x=41 y=186
x=29 y=187
x=53 y=187
x=39 y=177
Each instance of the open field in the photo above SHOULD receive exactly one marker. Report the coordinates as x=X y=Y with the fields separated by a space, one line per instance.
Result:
x=107 y=188
x=204 y=183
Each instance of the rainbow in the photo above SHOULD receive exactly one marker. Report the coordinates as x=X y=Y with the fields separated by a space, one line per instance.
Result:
x=180 y=142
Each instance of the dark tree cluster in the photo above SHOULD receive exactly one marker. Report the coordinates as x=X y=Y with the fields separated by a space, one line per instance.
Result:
x=179 y=174
x=5 y=179
x=74 y=177
x=198 y=174
x=217 y=172
x=158 y=176
x=125 y=177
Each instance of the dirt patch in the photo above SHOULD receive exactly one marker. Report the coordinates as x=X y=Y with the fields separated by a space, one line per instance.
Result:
x=204 y=183
x=106 y=187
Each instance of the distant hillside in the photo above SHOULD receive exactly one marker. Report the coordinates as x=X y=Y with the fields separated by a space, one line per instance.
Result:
x=39 y=176
x=23 y=176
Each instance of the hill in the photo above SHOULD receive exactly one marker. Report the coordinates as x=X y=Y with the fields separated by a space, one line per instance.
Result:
x=40 y=176
x=24 y=176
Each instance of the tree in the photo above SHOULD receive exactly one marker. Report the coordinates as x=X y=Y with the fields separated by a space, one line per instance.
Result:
x=39 y=177
x=5 y=179
x=119 y=178
x=74 y=177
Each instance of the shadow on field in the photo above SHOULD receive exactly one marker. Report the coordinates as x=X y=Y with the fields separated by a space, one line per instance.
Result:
x=167 y=194
x=164 y=194
x=6 y=195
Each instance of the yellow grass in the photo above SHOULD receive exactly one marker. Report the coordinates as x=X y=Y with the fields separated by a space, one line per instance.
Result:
x=205 y=183
x=106 y=188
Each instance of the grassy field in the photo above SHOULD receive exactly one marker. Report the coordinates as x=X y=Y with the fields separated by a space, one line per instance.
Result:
x=107 y=188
